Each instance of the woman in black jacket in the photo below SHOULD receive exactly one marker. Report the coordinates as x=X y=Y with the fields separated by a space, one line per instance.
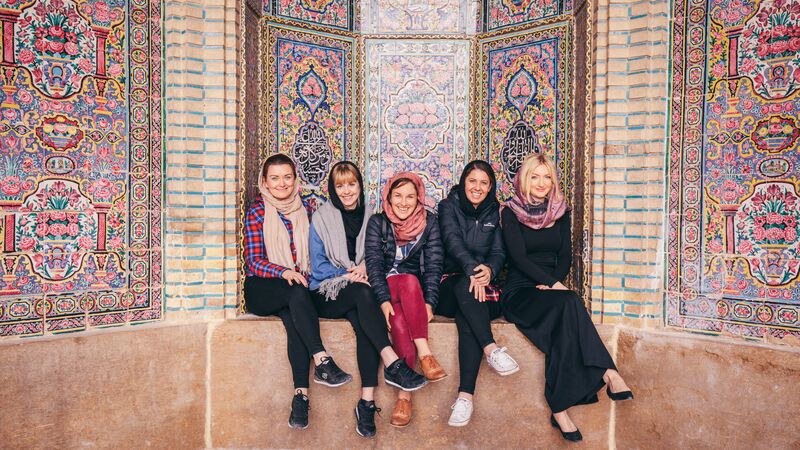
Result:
x=536 y=231
x=402 y=247
x=469 y=219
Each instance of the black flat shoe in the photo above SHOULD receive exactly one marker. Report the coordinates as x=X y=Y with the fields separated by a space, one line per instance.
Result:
x=573 y=436
x=619 y=396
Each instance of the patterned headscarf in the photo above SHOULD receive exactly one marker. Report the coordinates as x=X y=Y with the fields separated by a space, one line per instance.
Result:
x=537 y=215
x=406 y=230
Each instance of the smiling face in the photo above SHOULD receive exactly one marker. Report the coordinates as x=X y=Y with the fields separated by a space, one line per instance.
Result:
x=540 y=183
x=348 y=190
x=477 y=186
x=280 y=181
x=403 y=200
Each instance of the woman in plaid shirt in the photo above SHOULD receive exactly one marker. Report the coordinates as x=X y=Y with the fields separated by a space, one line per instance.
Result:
x=278 y=265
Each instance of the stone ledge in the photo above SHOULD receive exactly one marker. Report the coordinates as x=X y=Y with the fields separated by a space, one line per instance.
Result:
x=707 y=392
x=510 y=412
x=128 y=388
x=227 y=384
x=436 y=319
x=684 y=398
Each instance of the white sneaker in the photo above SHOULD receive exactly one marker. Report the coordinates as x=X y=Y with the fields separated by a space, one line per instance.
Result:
x=462 y=411
x=501 y=362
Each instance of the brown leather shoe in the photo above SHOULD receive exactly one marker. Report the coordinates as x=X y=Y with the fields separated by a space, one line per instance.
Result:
x=431 y=368
x=401 y=416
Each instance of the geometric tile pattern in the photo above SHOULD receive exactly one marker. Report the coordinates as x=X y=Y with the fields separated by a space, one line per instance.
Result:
x=416 y=17
x=524 y=102
x=506 y=13
x=734 y=194
x=417 y=109
x=309 y=99
x=332 y=13
x=81 y=171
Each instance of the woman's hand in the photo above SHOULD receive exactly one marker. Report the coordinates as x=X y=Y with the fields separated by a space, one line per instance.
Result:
x=356 y=277
x=482 y=275
x=429 y=308
x=556 y=287
x=478 y=290
x=361 y=269
x=480 y=293
x=294 y=277
x=387 y=309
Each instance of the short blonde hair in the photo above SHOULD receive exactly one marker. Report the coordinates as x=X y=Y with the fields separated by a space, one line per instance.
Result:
x=530 y=164
x=344 y=173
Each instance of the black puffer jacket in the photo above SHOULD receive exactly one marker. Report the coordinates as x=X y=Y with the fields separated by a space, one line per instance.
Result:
x=424 y=260
x=469 y=240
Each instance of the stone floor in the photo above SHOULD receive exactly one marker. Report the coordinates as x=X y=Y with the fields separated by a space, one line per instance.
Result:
x=227 y=385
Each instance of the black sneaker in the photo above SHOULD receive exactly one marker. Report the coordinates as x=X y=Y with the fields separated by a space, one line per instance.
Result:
x=329 y=374
x=399 y=375
x=299 y=415
x=365 y=418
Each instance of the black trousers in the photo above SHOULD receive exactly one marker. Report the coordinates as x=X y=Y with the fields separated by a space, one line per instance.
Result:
x=557 y=323
x=473 y=320
x=274 y=297
x=356 y=303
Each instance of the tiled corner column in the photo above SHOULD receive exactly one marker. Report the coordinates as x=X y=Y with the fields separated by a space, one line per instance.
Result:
x=201 y=266
x=631 y=93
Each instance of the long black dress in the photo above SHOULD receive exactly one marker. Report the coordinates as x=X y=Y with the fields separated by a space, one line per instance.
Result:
x=554 y=320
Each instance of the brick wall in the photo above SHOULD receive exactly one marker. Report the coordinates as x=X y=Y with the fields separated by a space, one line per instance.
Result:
x=631 y=93
x=201 y=267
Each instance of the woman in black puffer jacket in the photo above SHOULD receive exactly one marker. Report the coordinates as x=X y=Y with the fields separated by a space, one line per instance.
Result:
x=469 y=219
x=403 y=254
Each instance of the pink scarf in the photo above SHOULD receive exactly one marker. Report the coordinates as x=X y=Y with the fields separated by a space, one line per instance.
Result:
x=406 y=230
x=537 y=215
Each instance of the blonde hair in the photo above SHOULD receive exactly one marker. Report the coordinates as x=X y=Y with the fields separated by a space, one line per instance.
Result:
x=530 y=164
x=344 y=173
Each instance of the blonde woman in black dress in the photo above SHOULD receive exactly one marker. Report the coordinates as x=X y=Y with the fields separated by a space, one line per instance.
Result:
x=536 y=231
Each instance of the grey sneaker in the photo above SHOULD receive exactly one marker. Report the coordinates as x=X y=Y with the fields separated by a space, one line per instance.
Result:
x=501 y=362
x=462 y=412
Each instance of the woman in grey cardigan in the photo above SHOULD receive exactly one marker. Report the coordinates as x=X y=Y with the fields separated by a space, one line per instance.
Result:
x=339 y=288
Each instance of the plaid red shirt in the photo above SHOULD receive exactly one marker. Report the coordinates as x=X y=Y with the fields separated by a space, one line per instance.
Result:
x=255 y=253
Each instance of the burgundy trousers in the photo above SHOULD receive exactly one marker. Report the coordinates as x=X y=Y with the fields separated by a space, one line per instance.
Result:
x=410 y=319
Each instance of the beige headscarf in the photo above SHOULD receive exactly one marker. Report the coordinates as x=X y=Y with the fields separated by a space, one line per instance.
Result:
x=276 y=237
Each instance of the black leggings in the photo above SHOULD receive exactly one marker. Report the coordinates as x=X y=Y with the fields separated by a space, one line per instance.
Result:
x=356 y=302
x=473 y=323
x=274 y=297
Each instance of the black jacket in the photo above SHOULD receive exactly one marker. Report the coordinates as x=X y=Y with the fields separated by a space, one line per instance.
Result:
x=470 y=241
x=380 y=249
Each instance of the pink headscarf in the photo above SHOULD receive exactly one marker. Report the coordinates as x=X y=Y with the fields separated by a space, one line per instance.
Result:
x=406 y=230
x=537 y=215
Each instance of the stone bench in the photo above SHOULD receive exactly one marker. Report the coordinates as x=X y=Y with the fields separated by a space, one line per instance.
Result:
x=227 y=384
x=510 y=412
